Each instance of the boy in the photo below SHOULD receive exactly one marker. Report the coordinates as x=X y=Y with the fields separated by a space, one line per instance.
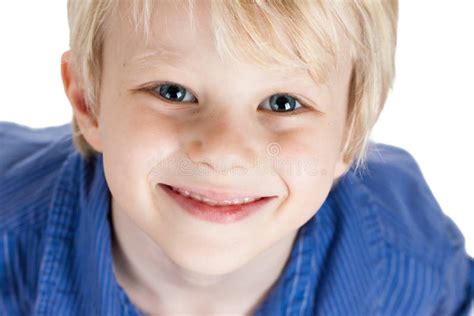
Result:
x=220 y=164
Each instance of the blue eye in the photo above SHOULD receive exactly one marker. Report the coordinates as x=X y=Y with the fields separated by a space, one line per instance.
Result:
x=280 y=104
x=174 y=93
x=284 y=103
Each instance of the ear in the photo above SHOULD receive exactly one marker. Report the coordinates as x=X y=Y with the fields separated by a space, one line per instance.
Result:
x=87 y=123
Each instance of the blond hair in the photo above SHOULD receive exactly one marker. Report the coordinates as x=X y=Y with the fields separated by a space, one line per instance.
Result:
x=243 y=25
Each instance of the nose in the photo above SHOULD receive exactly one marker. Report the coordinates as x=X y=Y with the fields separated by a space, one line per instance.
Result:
x=222 y=142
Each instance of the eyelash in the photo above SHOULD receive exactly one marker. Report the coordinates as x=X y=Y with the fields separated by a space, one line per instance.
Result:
x=152 y=89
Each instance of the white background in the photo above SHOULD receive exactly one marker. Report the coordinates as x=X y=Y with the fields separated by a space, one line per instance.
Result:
x=429 y=112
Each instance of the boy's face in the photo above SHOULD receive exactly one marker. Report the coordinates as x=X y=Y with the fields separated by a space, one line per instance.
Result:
x=230 y=138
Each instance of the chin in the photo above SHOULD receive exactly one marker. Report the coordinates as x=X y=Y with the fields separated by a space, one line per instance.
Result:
x=208 y=263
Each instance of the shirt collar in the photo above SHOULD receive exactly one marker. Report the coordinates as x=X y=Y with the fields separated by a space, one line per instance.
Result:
x=295 y=289
x=77 y=266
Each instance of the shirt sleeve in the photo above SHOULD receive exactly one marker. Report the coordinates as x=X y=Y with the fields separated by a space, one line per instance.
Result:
x=457 y=289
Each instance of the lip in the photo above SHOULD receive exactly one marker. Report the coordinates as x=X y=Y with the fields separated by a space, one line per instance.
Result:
x=216 y=214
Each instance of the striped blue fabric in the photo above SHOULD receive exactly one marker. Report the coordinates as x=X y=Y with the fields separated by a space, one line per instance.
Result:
x=379 y=245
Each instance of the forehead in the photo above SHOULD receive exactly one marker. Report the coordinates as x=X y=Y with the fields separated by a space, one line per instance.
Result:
x=178 y=31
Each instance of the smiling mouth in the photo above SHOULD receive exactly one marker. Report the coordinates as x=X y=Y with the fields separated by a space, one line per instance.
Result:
x=215 y=198
x=209 y=201
x=227 y=211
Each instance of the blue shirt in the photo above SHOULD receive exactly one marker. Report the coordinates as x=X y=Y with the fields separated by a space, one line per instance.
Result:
x=379 y=245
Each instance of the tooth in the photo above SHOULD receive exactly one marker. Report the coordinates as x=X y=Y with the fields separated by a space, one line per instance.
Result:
x=185 y=193
x=196 y=197
x=209 y=201
x=206 y=200
x=236 y=201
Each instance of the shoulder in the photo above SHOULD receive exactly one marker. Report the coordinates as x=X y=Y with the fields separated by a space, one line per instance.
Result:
x=409 y=212
x=30 y=161
x=21 y=143
x=424 y=251
x=30 y=164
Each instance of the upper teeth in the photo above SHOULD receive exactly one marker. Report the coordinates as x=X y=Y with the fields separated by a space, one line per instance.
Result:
x=198 y=197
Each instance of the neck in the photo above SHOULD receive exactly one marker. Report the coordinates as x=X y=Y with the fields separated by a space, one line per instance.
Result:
x=156 y=285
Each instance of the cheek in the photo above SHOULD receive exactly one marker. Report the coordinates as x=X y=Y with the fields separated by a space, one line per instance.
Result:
x=306 y=164
x=136 y=134
x=134 y=142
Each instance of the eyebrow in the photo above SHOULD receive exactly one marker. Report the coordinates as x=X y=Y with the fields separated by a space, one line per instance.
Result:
x=150 y=58
x=156 y=57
